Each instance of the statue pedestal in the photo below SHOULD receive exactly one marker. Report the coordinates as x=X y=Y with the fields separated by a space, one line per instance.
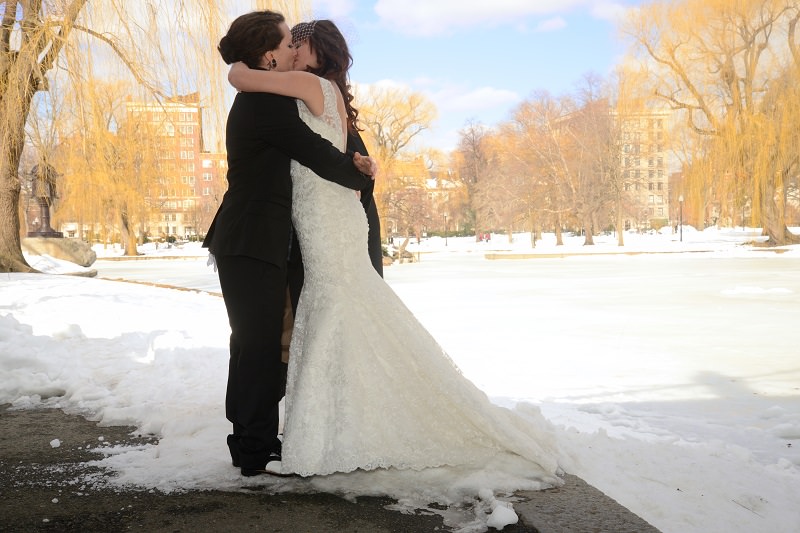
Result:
x=46 y=234
x=45 y=230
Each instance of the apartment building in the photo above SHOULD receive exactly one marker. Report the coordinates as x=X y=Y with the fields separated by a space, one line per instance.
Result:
x=645 y=166
x=191 y=180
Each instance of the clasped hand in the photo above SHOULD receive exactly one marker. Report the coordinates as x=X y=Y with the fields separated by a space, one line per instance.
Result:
x=365 y=164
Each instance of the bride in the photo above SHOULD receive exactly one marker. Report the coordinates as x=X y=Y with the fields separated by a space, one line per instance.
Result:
x=368 y=387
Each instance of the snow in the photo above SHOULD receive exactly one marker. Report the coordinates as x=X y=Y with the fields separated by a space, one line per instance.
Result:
x=669 y=369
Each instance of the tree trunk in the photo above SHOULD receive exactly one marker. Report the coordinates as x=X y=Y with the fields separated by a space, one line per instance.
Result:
x=11 y=258
x=588 y=229
x=559 y=237
x=773 y=222
x=402 y=250
x=16 y=103
x=620 y=223
x=128 y=236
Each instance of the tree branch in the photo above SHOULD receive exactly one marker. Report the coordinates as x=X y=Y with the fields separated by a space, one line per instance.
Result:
x=121 y=54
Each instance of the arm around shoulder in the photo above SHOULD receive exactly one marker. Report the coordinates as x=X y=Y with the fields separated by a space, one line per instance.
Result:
x=279 y=124
x=295 y=84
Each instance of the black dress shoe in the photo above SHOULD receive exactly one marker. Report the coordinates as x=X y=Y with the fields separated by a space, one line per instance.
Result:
x=272 y=468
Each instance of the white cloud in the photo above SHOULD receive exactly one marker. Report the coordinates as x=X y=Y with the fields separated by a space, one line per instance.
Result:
x=613 y=11
x=449 y=97
x=425 y=17
x=456 y=105
x=333 y=9
x=552 y=24
x=456 y=99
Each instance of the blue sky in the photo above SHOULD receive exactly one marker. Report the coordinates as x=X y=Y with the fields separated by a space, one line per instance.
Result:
x=476 y=60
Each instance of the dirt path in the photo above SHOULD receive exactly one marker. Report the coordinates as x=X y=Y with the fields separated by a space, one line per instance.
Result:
x=41 y=489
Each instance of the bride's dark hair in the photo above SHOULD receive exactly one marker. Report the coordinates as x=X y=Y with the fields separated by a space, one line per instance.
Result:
x=333 y=57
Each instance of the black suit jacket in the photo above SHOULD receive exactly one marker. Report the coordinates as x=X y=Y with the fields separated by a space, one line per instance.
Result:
x=264 y=133
x=356 y=144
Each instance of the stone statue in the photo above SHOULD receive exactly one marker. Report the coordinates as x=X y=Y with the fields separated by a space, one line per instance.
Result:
x=43 y=188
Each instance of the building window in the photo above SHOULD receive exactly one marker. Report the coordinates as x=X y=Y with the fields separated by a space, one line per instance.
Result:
x=652 y=199
x=650 y=186
x=660 y=186
x=206 y=191
x=187 y=154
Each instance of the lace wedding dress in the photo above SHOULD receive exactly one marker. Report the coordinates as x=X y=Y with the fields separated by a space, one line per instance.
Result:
x=368 y=387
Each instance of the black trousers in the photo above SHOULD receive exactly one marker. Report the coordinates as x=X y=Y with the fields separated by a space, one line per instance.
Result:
x=255 y=293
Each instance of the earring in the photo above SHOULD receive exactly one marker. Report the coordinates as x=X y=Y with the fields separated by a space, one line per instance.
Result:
x=273 y=63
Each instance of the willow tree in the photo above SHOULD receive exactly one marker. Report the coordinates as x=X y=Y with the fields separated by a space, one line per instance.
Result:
x=112 y=165
x=164 y=46
x=31 y=38
x=731 y=69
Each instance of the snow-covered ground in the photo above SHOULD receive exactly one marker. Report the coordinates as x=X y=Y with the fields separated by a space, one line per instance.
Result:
x=672 y=380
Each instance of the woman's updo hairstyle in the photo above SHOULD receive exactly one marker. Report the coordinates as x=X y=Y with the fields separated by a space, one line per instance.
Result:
x=250 y=37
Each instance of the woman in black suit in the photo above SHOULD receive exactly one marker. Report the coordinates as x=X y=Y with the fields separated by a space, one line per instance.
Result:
x=251 y=235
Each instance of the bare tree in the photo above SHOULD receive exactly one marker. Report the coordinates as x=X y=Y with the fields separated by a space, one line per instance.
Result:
x=473 y=165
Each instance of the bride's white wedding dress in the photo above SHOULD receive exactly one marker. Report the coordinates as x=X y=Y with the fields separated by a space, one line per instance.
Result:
x=368 y=387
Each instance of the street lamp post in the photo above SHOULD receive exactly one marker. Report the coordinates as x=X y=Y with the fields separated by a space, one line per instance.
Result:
x=680 y=215
x=445 y=229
